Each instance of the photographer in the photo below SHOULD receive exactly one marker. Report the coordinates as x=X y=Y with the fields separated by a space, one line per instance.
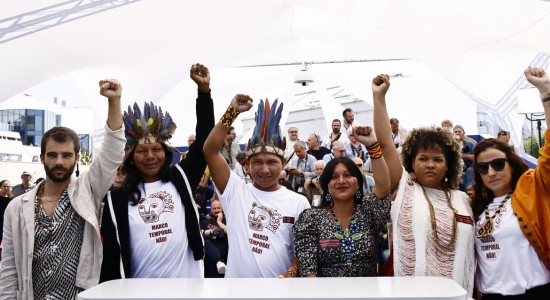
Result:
x=467 y=154
x=312 y=187
x=301 y=168
x=214 y=232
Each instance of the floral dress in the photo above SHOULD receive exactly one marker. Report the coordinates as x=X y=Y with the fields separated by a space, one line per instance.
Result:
x=324 y=248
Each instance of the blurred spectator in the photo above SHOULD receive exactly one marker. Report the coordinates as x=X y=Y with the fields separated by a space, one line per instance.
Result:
x=5 y=197
x=214 y=232
x=315 y=148
x=25 y=185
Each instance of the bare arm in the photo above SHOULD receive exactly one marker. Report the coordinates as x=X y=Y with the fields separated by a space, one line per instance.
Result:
x=219 y=170
x=539 y=78
x=366 y=136
x=380 y=86
x=112 y=89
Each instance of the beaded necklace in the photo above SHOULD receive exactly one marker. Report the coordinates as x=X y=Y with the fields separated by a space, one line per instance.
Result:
x=451 y=245
x=41 y=221
x=488 y=226
x=347 y=237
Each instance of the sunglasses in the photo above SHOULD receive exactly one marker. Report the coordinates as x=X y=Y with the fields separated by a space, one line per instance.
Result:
x=359 y=165
x=497 y=164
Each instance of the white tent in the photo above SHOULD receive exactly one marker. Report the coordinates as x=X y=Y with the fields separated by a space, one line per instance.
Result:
x=481 y=46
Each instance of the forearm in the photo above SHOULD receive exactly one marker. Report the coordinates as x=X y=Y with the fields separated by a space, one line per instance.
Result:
x=114 y=114
x=103 y=169
x=383 y=133
x=381 y=177
x=222 y=226
x=195 y=162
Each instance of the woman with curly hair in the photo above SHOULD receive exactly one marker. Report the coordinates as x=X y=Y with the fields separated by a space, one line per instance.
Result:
x=432 y=222
x=512 y=209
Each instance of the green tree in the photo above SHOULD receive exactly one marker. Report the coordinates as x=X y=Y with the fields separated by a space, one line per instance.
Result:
x=532 y=145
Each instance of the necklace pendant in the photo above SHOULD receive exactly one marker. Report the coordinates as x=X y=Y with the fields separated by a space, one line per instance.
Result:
x=486 y=228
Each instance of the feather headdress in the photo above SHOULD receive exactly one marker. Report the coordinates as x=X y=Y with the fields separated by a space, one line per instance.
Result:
x=148 y=126
x=266 y=136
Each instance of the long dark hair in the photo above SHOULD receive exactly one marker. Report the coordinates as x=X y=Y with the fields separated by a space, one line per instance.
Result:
x=479 y=200
x=325 y=177
x=130 y=186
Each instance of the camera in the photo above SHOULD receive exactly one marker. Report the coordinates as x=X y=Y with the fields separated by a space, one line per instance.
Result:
x=304 y=78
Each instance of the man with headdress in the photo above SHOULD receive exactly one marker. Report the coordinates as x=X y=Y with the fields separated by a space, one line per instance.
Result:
x=151 y=225
x=261 y=214
x=52 y=243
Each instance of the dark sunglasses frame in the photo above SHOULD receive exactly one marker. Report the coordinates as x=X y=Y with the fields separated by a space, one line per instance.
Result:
x=497 y=164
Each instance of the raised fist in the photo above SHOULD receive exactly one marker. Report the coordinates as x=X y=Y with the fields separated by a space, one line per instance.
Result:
x=110 y=88
x=380 y=85
x=201 y=76
x=365 y=135
x=538 y=78
x=242 y=102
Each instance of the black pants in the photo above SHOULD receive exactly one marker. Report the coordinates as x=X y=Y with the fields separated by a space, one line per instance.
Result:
x=214 y=251
x=541 y=292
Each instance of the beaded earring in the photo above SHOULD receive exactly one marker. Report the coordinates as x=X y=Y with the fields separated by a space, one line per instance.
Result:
x=328 y=197
x=358 y=196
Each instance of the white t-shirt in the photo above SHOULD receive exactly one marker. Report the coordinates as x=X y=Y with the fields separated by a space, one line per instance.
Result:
x=158 y=236
x=343 y=138
x=507 y=264
x=259 y=225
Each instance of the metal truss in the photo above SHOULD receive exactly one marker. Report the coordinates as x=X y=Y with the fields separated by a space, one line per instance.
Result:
x=54 y=15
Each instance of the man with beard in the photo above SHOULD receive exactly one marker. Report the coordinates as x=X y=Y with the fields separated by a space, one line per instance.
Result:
x=335 y=135
x=349 y=120
x=51 y=240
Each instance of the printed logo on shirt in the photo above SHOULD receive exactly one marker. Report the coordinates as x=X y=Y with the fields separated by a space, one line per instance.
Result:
x=261 y=217
x=151 y=208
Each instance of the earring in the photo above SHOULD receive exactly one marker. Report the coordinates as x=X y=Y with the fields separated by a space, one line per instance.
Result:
x=446 y=179
x=328 y=197
x=77 y=171
x=358 y=196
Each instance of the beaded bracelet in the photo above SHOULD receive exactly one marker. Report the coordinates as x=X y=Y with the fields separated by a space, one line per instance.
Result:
x=375 y=152
x=229 y=116
x=293 y=271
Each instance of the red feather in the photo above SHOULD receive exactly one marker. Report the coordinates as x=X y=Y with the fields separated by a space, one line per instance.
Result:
x=263 y=129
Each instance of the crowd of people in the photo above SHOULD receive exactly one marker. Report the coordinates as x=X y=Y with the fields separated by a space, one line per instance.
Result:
x=362 y=201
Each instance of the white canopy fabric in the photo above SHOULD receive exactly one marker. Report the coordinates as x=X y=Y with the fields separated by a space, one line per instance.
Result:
x=480 y=46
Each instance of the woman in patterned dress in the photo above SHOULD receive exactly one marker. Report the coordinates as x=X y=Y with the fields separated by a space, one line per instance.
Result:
x=432 y=222
x=339 y=239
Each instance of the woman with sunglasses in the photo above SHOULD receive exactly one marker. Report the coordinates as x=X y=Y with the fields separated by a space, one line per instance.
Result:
x=512 y=209
x=432 y=224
